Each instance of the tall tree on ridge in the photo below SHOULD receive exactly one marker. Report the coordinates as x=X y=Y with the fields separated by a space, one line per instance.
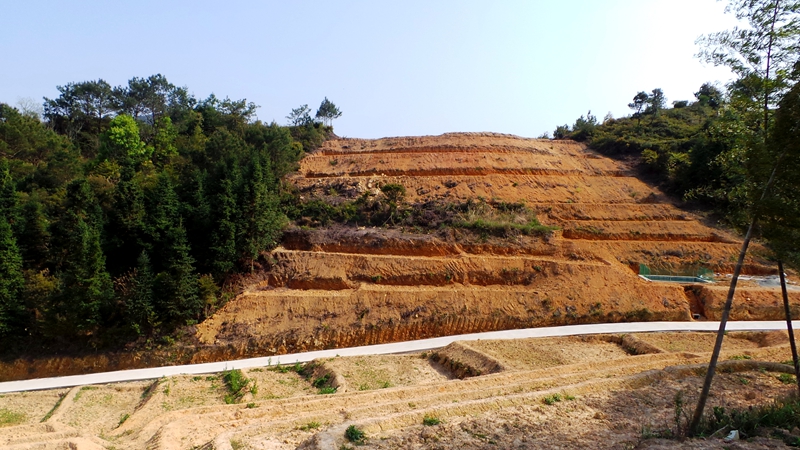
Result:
x=327 y=112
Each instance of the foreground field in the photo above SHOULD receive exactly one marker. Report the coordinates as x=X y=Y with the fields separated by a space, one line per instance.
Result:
x=607 y=391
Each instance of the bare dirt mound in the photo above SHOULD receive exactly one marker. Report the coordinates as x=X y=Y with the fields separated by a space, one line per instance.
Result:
x=335 y=285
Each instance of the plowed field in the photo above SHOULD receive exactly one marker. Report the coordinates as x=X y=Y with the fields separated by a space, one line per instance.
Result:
x=604 y=392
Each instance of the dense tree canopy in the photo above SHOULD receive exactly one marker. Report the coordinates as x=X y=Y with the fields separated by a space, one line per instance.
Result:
x=119 y=211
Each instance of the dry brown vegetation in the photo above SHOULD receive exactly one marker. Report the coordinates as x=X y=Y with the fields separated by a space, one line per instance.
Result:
x=611 y=391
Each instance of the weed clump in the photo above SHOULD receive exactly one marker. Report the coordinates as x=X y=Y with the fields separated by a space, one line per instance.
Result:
x=781 y=415
x=237 y=385
x=313 y=425
x=354 y=434
x=430 y=421
x=552 y=399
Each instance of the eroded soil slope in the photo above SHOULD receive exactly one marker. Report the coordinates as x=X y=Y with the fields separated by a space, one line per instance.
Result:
x=345 y=283
x=334 y=285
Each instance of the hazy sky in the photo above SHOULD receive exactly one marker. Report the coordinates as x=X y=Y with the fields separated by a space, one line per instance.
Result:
x=394 y=68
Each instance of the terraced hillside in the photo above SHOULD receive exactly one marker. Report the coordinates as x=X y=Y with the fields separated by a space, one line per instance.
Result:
x=580 y=392
x=331 y=285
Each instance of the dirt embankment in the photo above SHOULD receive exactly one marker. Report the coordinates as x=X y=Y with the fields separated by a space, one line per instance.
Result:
x=348 y=285
x=343 y=285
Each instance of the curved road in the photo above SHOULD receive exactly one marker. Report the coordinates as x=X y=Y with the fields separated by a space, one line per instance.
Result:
x=382 y=349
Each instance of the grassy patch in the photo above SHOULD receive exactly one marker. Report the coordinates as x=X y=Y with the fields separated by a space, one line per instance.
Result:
x=81 y=391
x=296 y=368
x=236 y=383
x=786 y=378
x=122 y=419
x=781 y=415
x=54 y=408
x=9 y=418
x=500 y=219
x=430 y=421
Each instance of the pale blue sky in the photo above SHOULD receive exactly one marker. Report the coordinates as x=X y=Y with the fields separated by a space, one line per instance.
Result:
x=394 y=68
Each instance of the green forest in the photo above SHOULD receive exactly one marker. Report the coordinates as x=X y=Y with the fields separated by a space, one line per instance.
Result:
x=126 y=210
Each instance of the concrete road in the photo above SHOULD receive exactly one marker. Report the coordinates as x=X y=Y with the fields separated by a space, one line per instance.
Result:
x=381 y=349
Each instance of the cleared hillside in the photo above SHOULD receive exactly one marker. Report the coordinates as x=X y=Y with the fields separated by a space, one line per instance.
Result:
x=459 y=252
x=332 y=285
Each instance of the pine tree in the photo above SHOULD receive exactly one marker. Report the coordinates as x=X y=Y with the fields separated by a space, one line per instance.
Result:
x=223 y=240
x=33 y=238
x=12 y=306
x=139 y=309
x=176 y=279
x=85 y=284
x=12 y=309
x=196 y=211
x=176 y=285
x=9 y=202
x=261 y=219
x=163 y=214
x=126 y=224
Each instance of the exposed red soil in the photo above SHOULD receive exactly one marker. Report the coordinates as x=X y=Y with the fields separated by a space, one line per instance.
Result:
x=346 y=285
x=341 y=285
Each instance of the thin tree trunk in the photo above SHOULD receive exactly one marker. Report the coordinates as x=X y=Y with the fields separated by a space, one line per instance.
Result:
x=789 y=326
x=712 y=365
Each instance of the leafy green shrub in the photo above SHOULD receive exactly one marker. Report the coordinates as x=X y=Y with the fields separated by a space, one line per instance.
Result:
x=236 y=383
x=354 y=434
x=321 y=381
x=394 y=192
x=430 y=420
